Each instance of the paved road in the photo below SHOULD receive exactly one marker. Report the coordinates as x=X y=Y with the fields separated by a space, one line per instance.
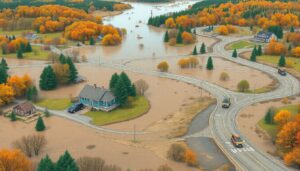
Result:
x=222 y=122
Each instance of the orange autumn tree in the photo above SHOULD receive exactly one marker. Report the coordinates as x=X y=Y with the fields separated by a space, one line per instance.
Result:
x=170 y=23
x=14 y=160
x=121 y=7
x=275 y=48
x=163 y=66
x=292 y=157
x=187 y=38
x=190 y=158
x=6 y=94
x=282 y=117
x=296 y=52
x=19 y=84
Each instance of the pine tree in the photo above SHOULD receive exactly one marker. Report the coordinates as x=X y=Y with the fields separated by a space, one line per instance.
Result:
x=195 y=51
x=13 y=117
x=19 y=54
x=62 y=59
x=179 y=37
x=28 y=47
x=181 y=29
x=121 y=92
x=34 y=94
x=113 y=81
x=269 y=116
x=166 y=37
x=40 y=126
x=66 y=162
x=292 y=29
x=126 y=81
x=4 y=51
x=209 y=64
x=92 y=41
x=203 y=49
x=281 y=61
x=290 y=48
x=13 y=37
x=23 y=47
x=73 y=71
x=253 y=55
x=251 y=27
x=46 y=164
x=3 y=75
x=259 y=50
x=28 y=94
x=234 y=53
x=48 y=79
x=132 y=91
x=4 y=64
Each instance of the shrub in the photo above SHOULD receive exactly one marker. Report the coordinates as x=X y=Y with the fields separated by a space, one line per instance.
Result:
x=163 y=66
x=191 y=158
x=31 y=144
x=243 y=86
x=172 y=41
x=90 y=163
x=40 y=126
x=177 y=152
x=224 y=76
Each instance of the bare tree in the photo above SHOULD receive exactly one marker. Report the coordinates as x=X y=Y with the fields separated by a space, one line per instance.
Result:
x=90 y=163
x=75 y=54
x=31 y=144
x=141 y=87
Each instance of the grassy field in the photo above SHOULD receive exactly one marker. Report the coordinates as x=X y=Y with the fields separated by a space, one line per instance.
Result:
x=14 y=32
x=55 y=104
x=138 y=107
x=271 y=129
x=240 y=44
x=37 y=54
x=274 y=60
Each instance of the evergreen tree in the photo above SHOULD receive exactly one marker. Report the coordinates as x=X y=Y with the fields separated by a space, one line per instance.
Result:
x=46 y=164
x=62 y=58
x=126 y=81
x=277 y=30
x=290 y=48
x=292 y=29
x=203 y=48
x=28 y=94
x=132 y=91
x=4 y=51
x=23 y=47
x=259 y=50
x=180 y=28
x=269 y=116
x=13 y=37
x=65 y=163
x=113 y=81
x=209 y=64
x=73 y=71
x=251 y=27
x=253 y=55
x=281 y=61
x=40 y=126
x=48 y=79
x=3 y=75
x=166 y=37
x=19 y=54
x=13 y=117
x=195 y=51
x=234 y=53
x=4 y=64
x=28 y=47
x=34 y=94
x=92 y=41
x=179 y=37
x=121 y=92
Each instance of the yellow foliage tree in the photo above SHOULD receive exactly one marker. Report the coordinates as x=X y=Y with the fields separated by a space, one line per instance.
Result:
x=282 y=117
x=6 y=94
x=14 y=160
x=163 y=66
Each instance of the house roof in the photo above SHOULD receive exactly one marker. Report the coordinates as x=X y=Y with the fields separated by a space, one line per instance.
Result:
x=96 y=93
x=264 y=34
x=25 y=106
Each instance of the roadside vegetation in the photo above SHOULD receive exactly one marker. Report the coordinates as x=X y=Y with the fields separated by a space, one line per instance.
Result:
x=283 y=125
x=55 y=104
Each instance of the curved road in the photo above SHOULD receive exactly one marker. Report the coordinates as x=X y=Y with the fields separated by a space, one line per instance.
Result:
x=222 y=122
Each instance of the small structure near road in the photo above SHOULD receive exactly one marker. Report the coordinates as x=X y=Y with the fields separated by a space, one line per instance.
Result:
x=98 y=98
x=264 y=37
x=24 y=109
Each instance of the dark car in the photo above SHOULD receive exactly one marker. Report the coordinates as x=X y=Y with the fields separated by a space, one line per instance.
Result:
x=281 y=71
x=75 y=107
x=226 y=102
x=237 y=141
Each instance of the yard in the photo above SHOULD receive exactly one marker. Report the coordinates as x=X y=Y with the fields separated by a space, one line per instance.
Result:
x=55 y=104
x=274 y=60
x=240 y=45
x=271 y=129
x=137 y=108
x=38 y=53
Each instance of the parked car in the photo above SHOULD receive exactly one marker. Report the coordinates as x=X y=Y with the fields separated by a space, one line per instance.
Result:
x=75 y=107
x=281 y=71
x=237 y=141
x=226 y=102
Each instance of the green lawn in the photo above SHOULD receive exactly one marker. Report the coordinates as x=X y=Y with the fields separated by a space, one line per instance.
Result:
x=38 y=53
x=240 y=44
x=138 y=107
x=271 y=129
x=55 y=104
x=274 y=60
